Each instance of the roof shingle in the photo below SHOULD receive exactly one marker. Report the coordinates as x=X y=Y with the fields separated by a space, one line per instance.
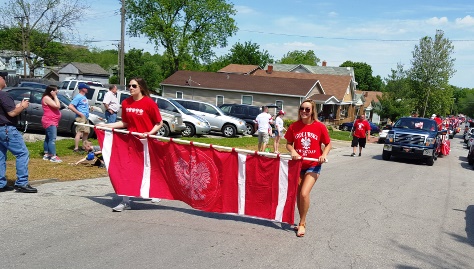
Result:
x=234 y=82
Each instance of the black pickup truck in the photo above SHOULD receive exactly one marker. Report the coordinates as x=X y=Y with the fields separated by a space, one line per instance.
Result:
x=412 y=138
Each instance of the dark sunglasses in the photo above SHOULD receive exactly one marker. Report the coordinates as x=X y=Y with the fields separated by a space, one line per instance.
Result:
x=305 y=109
x=132 y=85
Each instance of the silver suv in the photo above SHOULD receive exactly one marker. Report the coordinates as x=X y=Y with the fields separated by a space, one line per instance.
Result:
x=69 y=86
x=195 y=125
x=220 y=122
x=173 y=122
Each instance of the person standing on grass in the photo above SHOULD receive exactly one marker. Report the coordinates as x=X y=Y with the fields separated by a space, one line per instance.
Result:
x=111 y=104
x=263 y=122
x=50 y=121
x=80 y=106
x=360 y=133
x=278 y=131
x=12 y=140
x=139 y=114
x=305 y=138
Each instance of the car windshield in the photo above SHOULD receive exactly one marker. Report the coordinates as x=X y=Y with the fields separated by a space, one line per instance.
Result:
x=182 y=108
x=416 y=123
x=64 y=99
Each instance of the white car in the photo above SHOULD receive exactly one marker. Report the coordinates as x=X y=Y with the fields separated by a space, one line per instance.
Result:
x=383 y=133
x=467 y=134
x=470 y=141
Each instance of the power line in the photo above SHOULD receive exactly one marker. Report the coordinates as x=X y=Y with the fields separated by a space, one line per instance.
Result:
x=348 y=38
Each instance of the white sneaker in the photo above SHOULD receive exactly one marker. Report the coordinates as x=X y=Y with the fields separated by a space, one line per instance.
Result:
x=55 y=159
x=121 y=207
x=155 y=200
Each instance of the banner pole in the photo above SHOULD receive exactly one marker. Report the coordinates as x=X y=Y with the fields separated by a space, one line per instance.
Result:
x=204 y=145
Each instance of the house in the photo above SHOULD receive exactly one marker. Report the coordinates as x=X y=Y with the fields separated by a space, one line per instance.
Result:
x=239 y=69
x=13 y=63
x=337 y=100
x=84 y=71
x=218 y=88
x=366 y=104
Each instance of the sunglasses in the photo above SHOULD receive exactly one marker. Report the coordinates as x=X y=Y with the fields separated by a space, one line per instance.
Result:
x=305 y=109
x=132 y=85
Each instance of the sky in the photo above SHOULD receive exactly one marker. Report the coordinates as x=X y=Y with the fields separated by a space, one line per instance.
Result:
x=379 y=33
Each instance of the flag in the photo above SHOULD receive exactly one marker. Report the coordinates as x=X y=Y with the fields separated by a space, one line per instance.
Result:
x=204 y=178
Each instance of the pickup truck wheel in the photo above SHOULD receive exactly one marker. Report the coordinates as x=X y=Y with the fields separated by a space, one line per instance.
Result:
x=229 y=130
x=190 y=131
x=430 y=161
x=164 y=130
x=250 y=130
x=386 y=155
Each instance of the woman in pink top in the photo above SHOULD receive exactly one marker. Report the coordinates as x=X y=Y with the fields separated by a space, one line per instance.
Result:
x=50 y=121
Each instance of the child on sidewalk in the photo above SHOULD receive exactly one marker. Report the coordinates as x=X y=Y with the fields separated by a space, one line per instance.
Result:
x=93 y=152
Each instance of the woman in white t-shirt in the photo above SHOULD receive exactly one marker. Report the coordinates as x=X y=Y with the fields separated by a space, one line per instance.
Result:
x=278 y=131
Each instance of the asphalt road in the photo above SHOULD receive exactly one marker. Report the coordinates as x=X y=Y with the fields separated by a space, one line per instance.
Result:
x=365 y=213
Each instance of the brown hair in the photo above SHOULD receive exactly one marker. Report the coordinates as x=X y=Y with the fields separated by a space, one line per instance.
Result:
x=314 y=115
x=143 y=87
x=48 y=90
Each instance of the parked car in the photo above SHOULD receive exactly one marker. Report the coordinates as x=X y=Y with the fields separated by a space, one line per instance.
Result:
x=246 y=112
x=470 y=141
x=34 y=112
x=69 y=86
x=32 y=84
x=470 y=155
x=384 y=132
x=219 y=121
x=347 y=126
x=467 y=134
x=194 y=125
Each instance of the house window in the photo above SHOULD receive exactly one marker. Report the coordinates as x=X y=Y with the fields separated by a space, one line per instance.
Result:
x=219 y=100
x=279 y=104
x=179 y=95
x=247 y=99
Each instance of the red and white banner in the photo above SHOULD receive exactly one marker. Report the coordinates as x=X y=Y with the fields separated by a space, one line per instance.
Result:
x=204 y=178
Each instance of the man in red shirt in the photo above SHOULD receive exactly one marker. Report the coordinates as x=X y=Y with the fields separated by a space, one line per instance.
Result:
x=360 y=131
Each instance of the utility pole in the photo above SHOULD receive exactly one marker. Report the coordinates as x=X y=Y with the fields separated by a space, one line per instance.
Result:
x=21 y=19
x=122 y=45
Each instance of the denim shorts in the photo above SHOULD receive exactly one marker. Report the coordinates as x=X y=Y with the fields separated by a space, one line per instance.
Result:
x=313 y=169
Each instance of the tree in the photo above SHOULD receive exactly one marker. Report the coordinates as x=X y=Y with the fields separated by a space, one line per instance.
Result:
x=432 y=67
x=248 y=53
x=183 y=28
x=49 y=18
x=300 y=57
x=140 y=64
x=396 y=100
x=363 y=76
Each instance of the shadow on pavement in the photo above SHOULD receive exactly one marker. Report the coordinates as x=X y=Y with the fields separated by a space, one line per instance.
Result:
x=111 y=200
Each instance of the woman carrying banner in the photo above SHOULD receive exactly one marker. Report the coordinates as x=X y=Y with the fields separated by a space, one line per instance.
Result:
x=304 y=139
x=139 y=114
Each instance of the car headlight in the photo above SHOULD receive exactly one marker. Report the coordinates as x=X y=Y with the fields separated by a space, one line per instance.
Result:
x=430 y=141
x=175 y=120
x=390 y=137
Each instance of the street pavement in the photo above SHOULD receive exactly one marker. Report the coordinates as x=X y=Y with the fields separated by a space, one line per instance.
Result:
x=365 y=213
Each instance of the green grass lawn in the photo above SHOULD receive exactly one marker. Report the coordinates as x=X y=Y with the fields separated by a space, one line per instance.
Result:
x=64 y=147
